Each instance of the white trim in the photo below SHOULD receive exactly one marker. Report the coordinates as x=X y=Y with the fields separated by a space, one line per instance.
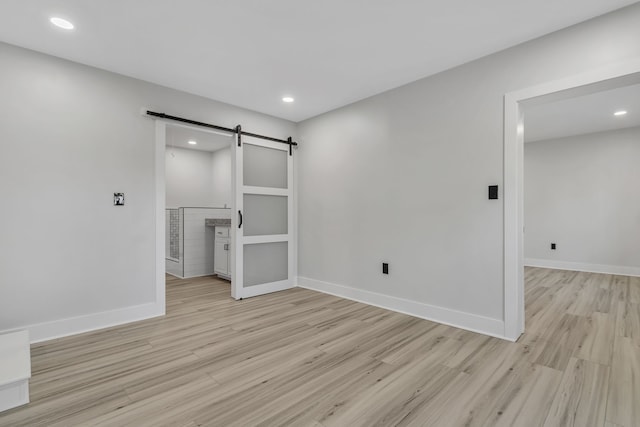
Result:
x=14 y=394
x=90 y=322
x=513 y=219
x=270 y=238
x=193 y=277
x=458 y=319
x=267 y=191
x=194 y=127
x=619 y=270
x=292 y=259
x=15 y=357
x=161 y=264
x=252 y=291
x=237 y=205
x=614 y=75
x=15 y=369
x=251 y=140
x=294 y=220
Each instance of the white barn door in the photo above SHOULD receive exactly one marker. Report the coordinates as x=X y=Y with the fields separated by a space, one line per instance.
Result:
x=263 y=256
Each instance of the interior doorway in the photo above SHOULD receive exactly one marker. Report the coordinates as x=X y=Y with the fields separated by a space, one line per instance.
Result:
x=581 y=215
x=260 y=243
x=198 y=190
x=515 y=105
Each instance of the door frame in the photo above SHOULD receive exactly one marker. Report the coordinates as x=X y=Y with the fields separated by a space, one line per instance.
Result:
x=160 y=202
x=609 y=77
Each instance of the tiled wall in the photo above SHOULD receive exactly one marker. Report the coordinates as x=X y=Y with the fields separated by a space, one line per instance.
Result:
x=174 y=234
x=173 y=242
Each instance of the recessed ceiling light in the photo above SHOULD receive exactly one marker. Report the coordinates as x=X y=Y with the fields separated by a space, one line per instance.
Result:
x=62 y=23
x=287 y=99
x=192 y=142
x=620 y=113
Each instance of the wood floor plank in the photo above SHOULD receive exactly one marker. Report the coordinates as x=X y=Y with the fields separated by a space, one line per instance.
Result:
x=469 y=398
x=581 y=399
x=597 y=345
x=302 y=358
x=628 y=321
x=392 y=400
x=634 y=290
x=623 y=404
x=528 y=397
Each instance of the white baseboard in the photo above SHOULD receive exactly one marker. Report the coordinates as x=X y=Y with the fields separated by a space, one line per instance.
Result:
x=193 y=277
x=14 y=394
x=458 y=319
x=91 y=322
x=15 y=369
x=174 y=275
x=198 y=275
x=580 y=266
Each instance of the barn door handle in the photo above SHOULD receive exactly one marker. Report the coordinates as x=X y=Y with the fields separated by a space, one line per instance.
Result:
x=240 y=216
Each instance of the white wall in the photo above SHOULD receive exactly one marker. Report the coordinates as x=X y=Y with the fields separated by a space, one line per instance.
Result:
x=402 y=177
x=198 y=178
x=581 y=193
x=221 y=169
x=71 y=136
x=199 y=241
x=188 y=178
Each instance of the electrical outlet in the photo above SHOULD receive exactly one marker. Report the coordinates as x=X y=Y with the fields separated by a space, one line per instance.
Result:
x=385 y=268
x=553 y=246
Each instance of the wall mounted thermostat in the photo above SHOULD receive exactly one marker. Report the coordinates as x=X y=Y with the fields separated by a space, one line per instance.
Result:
x=118 y=199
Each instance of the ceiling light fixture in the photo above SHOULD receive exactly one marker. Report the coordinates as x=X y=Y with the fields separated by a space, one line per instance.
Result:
x=287 y=99
x=192 y=142
x=620 y=113
x=62 y=23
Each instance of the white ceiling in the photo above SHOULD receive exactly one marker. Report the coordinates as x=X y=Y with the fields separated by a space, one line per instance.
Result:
x=583 y=114
x=178 y=136
x=250 y=53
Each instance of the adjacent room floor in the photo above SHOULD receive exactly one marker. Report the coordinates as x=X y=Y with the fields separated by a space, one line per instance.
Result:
x=307 y=359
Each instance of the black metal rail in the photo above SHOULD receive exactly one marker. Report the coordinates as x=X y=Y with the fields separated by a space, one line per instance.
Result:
x=237 y=130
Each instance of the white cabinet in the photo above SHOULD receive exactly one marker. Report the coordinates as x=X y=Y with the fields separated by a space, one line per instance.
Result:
x=221 y=252
x=221 y=258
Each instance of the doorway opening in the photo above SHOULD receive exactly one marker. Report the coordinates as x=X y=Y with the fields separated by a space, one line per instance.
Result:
x=516 y=104
x=581 y=213
x=198 y=193
x=241 y=229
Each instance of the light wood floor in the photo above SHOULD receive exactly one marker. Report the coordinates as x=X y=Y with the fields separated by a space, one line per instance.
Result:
x=303 y=358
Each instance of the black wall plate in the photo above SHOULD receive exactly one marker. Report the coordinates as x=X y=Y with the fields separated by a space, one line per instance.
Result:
x=493 y=192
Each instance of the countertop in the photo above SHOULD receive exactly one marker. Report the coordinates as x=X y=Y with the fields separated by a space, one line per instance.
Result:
x=217 y=222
